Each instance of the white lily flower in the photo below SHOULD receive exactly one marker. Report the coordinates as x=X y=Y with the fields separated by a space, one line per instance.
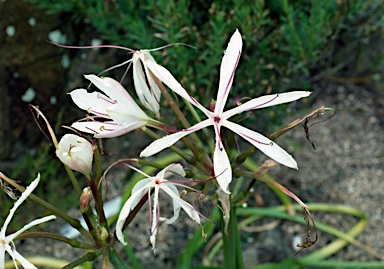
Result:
x=116 y=105
x=76 y=152
x=149 y=96
x=6 y=242
x=159 y=182
x=218 y=117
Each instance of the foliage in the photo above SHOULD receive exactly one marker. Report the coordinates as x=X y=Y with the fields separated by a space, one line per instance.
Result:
x=286 y=42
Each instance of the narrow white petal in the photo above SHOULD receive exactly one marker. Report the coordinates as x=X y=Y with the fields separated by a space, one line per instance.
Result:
x=227 y=70
x=188 y=208
x=167 y=141
x=95 y=102
x=2 y=255
x=10 y=237
x=155 y=218
x=173 y=168
x=166 y=77
x=137 y=193
x=147 y=96
x=171 y=190
x=222 y=168
x=266 y=101
x=112 y=88
x=24 y=262
x=268 y=147
x=22 y=198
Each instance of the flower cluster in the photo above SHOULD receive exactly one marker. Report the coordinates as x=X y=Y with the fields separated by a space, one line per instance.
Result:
x=113 y=112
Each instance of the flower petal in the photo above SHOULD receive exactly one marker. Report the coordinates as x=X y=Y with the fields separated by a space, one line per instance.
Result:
x=167 y=141
x=112 y=88
x=171 y=189
x=188 y=208
x=10 y=237
x=269 y=148
x=17 y=256
x=266 y=101
x=125 y=114
x=106 y=129
x=22 y=198
x=137 y=193
x=95 y=102
x=173 y=168
x=227 y=70
x=222 y=167
x=166 y=77
x=149 y=97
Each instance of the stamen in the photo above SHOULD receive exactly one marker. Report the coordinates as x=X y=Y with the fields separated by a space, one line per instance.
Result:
x=101 y=96
x=257 y=141
x=89 y=110
x=260 y=105
x=102 y=128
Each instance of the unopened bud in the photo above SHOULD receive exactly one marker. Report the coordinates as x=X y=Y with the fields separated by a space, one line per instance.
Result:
x=102 y=233
x=212 y=105
x=76 y=152
x=85 y=199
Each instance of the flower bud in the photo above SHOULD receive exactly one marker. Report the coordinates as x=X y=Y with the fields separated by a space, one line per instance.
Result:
x=75 y=152
x=85 y=199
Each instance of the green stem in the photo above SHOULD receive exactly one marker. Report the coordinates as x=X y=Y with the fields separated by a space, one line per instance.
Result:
x=116 y=259
x=231 y=242
x=90 y=256
x=72 y=242
x=74 y=181
x=98 y=167
x=98 y=202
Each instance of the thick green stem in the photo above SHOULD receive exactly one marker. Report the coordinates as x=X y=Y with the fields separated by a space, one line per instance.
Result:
x=98 y=167
x=90 y=256
x=233 y=257
x=72 y=242
x=116 y=259
x=98 y=202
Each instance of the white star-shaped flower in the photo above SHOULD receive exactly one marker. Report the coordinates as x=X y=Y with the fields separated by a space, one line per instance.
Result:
x=219 y=117
x=159 y=182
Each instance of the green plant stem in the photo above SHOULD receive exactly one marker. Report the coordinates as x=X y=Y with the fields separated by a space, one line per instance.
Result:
x=231 y=242
x=74 y=181
x=72 y=242
x=98 y=167
x=90 y=256
x=98 y=202
x=116 y=259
